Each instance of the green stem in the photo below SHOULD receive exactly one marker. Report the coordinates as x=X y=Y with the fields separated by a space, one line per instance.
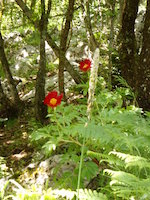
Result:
x=71 y=141
x=57 y=122
x=80 y=168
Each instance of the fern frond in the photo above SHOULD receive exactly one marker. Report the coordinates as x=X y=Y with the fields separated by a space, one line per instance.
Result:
x=92 y=131
x=132 y=160
x=122 y=177
x=83 y=194
x=105 y=158
x=91 y=195
x=126 y=185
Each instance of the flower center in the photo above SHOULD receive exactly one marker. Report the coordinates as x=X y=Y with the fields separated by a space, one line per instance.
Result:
x=85 y=66
x=53 y=101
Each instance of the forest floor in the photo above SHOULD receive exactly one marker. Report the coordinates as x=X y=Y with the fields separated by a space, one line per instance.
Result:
x=15 y=147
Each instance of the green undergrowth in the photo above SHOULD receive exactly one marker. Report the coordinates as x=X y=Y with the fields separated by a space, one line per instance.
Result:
x=118 y=138
x=116 y=153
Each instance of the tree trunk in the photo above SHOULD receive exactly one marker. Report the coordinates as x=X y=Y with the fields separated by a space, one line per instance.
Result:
x=74 y=74
x=111 y=41
x=61 y=81
x=63 y=45
x=136 y=69
x=40 y=108
x=143 y=78
x=121 y=8
x=127 y=41
x=5 y=66
x=7 y=108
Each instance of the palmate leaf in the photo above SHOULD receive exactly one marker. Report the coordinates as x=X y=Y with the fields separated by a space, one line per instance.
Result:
x=49 y=147
x=126 y=185
x=131 y=160
x=89 y=170
x=40 y=134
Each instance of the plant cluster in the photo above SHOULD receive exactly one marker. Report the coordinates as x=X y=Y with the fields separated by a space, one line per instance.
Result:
x=116 y=145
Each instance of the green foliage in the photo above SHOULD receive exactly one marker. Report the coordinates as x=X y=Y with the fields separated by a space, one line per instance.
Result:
x=91 y=195
x=50 y=194
x=124 y=130
x=33 y=39
x=127 y=185
x=3 y=168
x=131 y=161
x=25 y=194
x=55 y=134
x=117 y=137
x=3 y=188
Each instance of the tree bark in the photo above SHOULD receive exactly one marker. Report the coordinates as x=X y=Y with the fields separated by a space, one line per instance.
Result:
x=136 y=68
x=74 y=74
x=40 y=108
x=63 y=45
x=5 y=66
x=121 y=8
x=143 y=78
x=128 y=43
x=111 y=41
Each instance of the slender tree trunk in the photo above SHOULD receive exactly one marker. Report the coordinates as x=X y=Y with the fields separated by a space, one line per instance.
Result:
x=128 y=43
x=4 y=101
x=143 y=77
x=74 y=74
x=24 y=16
x=87 y=19
x=111 y=40
x=121 y=8
x=61 y=81
x=5 y=66
x=40 y=108
x=7 y=108
x=63 y=44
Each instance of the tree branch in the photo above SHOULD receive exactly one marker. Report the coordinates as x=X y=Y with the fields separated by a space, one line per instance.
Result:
x=65 y=30
x=75 y=75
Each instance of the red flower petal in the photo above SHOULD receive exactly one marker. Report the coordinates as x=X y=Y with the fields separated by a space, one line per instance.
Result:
x=52 y=94
x=52 y=99
x=85 y=65
x=59 y=98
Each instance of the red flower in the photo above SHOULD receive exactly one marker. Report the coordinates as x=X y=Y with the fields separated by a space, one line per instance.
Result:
x=85 y=65
x=53 y=99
